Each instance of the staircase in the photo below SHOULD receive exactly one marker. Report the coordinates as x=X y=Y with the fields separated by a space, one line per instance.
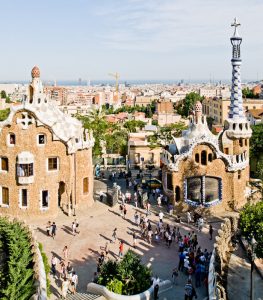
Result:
x=83 y=296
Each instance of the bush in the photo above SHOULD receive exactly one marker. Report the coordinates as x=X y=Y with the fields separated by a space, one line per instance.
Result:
x=17 y=281
x=251 y=223
x=127 y=277
x=46 y=266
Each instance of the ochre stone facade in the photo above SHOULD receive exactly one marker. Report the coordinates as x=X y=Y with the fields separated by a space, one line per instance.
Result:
x=38 y=185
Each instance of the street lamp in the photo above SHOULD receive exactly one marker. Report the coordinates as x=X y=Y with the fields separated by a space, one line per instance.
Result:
x=253 y=243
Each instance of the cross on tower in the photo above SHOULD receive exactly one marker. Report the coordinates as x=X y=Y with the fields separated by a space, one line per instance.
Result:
x=235 y=24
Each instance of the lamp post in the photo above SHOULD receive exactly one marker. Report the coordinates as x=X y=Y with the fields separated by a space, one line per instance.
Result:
x=253 y=255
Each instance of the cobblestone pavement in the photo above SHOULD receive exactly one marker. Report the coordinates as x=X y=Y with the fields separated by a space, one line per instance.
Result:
x=96 y=226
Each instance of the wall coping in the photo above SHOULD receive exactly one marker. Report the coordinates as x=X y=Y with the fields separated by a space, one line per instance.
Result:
x=146 y=295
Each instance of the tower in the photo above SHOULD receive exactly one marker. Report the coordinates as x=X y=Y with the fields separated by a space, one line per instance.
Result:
x=36 y=92
x=236 y=126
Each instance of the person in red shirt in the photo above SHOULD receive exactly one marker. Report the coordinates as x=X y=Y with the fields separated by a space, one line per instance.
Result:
x=121 y=249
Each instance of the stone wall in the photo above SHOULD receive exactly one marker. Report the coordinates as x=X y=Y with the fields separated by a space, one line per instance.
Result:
x=220 y=259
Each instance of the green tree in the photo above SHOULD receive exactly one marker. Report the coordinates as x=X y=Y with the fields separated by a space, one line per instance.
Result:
x=132 y=125
x=165 y=134
x=3 y=94
x=4 y=114
x=256 y=141
x=247 y=93
x=127 y=277
x=189 y=103
x=251 y=223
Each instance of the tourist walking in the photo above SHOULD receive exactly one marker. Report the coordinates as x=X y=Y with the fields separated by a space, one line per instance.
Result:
x=159 y=201
x=114 y=235
x=121 y=249
x=200 y=224
x=106 y=249
x=77 y=226
x=189 y=219
x=64 y=288
x=175 y=275
x=53 y=230
x=124 y=211
x=161 y=216
x=48 y=228
x=54 y=262
x=65 y=253
x=73 y=228
x=189 y=291
x=211 y=230
x=74 y=282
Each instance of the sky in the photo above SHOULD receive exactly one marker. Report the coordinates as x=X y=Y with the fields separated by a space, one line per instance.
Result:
x=140 y=39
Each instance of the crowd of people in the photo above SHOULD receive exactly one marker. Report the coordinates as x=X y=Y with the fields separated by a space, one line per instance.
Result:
x=193 y=260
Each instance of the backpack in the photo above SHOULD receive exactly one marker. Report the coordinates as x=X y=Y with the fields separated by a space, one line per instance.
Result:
x=188 y=290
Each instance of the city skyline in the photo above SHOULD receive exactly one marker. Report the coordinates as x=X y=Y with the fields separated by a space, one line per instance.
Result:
x=142 y=40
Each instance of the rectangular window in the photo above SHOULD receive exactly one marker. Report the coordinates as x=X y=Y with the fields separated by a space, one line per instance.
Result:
x=24 y=198
x=85 y=185
x=239 y=174
x=5 y=196
x=4 y=163
x=226 y=151
x=169 y=180
x=41 y=139
x=12 y=139
x=25 y=170
x=53 y=163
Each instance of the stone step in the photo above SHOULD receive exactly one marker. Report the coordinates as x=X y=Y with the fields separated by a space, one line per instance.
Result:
x=83 y=296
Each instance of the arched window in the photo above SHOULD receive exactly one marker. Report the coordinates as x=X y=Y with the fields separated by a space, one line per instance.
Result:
x=234 y=126
x=210 y=157
x=177 y=193
x=245 y=142
x=239 y=174
x=197 y=157
x=240 y=142
x=203 y=158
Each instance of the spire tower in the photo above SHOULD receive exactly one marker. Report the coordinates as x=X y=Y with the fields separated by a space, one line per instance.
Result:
x=236 y=126
x=236 y=106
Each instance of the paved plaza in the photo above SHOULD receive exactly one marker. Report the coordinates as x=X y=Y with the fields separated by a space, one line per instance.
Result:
x=96 y=227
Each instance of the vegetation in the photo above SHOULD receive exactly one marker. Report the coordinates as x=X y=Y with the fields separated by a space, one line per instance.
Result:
x=4 y=114
x=251 y=223
x=115 y=137
x=46 y=266
x=165 y=134
x=132 y=125
x=247 y=93
x=149 y=110
x=188 y=104
x=3 y=94
x=127 y=277
x=256 y=141
x=16 y=280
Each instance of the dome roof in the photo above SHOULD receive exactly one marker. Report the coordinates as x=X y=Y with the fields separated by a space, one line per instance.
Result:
x=35 y=73
x=198 y=106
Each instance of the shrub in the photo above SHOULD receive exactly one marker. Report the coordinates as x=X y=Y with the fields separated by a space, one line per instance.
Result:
x=251 y=223
x=17 y=281
x=127 y=277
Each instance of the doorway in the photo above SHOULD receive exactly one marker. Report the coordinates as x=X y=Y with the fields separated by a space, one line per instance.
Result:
x=61 y=191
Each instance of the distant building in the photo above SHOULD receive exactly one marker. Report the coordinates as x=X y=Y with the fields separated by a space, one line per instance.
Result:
x=58 y=94
x=218 y=109
x=140 y=154
x=46 y=158
x=254 y=116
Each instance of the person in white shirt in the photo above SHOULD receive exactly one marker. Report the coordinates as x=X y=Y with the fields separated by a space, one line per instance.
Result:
x=161 y=216
x=74 y=282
